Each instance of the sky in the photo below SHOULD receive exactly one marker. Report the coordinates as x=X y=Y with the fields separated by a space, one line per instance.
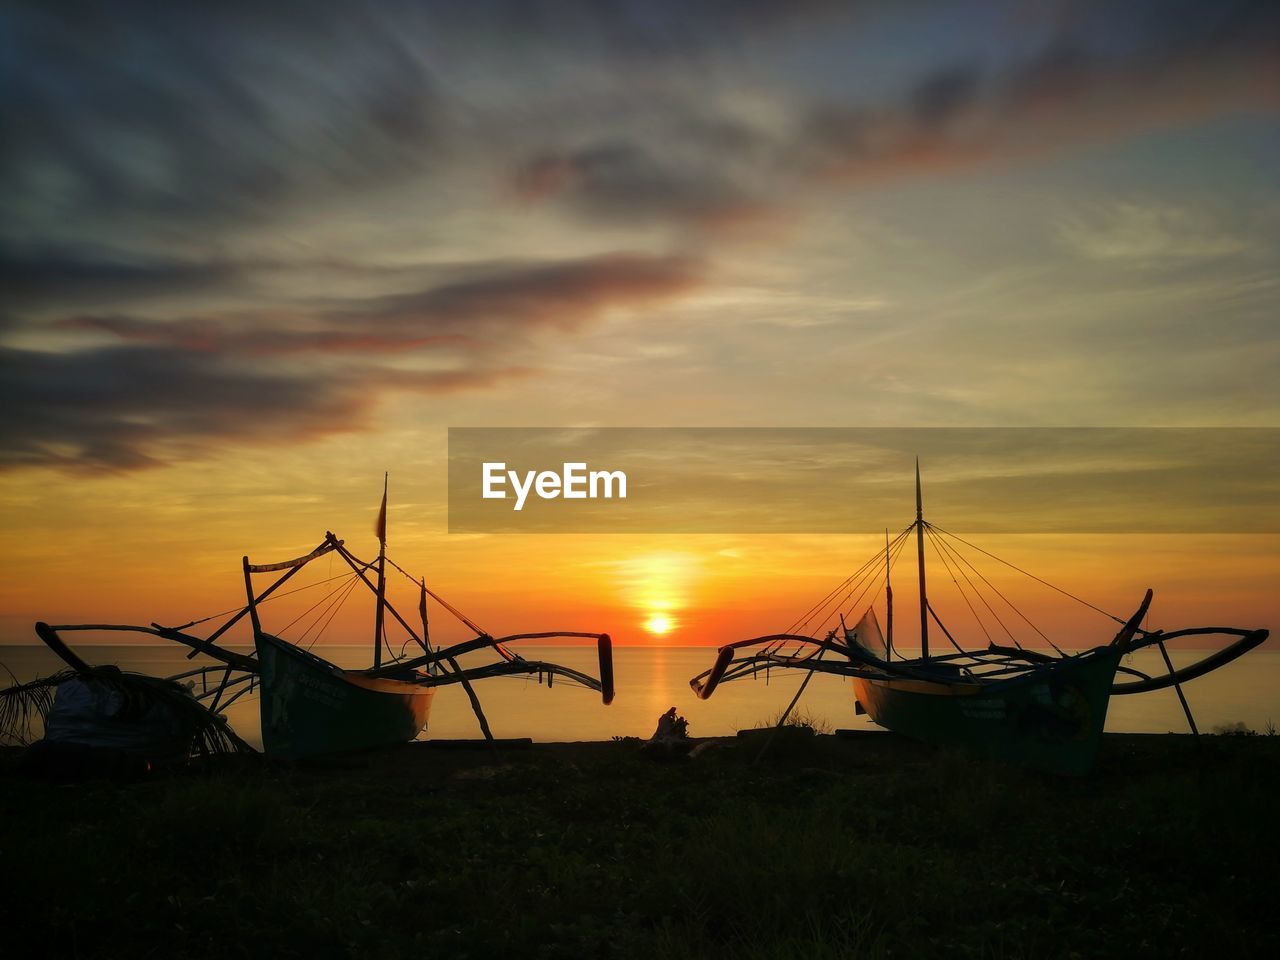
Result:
x=253 y=256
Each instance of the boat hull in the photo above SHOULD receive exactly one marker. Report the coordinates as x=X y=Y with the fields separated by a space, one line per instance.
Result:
x=310 y=707
x=1050 y=719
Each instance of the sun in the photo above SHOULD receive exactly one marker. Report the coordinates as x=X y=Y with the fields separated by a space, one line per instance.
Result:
x=658 y=624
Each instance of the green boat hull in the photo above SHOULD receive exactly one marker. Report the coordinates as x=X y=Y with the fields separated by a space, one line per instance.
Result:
x=1050 y=719
x=311 y=707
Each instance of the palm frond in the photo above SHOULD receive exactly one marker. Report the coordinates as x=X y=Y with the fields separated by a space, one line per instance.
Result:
x=23 y=704
x=213 y=734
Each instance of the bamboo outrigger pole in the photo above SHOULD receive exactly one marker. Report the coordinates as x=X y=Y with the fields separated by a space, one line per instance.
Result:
x=924 y=601
x=382 y=577
x=453 y=663
x=291 y=566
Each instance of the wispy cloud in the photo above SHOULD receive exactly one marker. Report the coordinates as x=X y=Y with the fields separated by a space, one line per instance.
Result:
x=1137 y=232
x=485 y=315
x=1082 y=87
x=174 y=387
x=130 y=407
x=625 y=182
x=305 y=208
x=1104 y=73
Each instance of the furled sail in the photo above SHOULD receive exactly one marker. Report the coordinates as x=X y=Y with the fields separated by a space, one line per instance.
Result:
x=867 y=634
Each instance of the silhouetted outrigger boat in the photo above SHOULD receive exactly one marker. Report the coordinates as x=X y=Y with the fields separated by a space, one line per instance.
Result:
x=310 y=706
x=1005 y=702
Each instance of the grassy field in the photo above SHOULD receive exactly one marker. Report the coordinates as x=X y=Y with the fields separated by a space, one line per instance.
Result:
x=827 y=847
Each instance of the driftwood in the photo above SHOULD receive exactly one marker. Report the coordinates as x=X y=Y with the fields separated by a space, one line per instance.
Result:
x=670 y=739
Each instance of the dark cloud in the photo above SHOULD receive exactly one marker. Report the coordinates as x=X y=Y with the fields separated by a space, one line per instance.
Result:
x=259 y=335
x=65 y=278
x=561 y=296
x=147 y=150
x=128 y=407
x=189 y=119
x=174 y=114
x=169 y=114
x=1119 y=71
x=184 y=115
x=627 y=183
x=630 y=31
x=181 y=388
x=1099 y=72
x=50 y=280
x=197 y=121
x=484 y=315
x=939 y=98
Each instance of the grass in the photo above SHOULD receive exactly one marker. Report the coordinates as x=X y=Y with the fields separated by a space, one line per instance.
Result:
x=869 y=847
x=800 y=718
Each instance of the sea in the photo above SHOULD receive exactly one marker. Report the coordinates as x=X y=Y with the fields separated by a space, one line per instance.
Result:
x=652 y=679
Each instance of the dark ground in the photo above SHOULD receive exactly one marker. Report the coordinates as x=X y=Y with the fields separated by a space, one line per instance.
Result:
x=827 y=847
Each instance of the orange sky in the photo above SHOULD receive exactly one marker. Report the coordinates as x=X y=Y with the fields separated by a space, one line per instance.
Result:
x=171 y=556
x=251 y=264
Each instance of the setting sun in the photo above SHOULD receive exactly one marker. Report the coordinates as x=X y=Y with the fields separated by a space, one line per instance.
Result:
x=659 y=624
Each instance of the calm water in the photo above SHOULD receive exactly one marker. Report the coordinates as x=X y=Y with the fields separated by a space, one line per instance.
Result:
x=651 y=679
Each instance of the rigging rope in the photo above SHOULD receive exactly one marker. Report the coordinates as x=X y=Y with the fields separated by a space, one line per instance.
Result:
x=853 y=578
x=863 y=579
x=850 y=581
x=1031 y=575
x=982 y=626
x=853 y=605
x=1010 y=603
x=895 y=548
x=480 y=631
x=335 y=607
x=327 y=596
x=979 y=595
x=274 y=596
x=333 y=599
x=834 y=596
x=813 y=611
x=865 y=582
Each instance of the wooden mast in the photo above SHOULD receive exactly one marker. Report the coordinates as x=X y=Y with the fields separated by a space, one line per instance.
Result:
x=924 y=601
x=382 y=577
x=888 y=600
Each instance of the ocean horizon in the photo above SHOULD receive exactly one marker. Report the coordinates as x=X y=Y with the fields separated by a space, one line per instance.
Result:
x=652 y=679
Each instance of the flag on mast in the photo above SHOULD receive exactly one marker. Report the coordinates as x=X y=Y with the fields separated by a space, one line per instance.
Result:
x=380 y=527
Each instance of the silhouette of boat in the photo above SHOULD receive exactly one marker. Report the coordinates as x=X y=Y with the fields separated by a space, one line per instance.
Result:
x=310 y=706
x=1005 y=702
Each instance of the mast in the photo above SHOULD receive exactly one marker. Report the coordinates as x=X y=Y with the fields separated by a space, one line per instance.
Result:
x=888 y=599
x=924 y=602
x=381 y=530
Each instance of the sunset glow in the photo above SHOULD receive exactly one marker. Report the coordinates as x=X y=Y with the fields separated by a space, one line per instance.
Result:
x=242 y=292
x=658 y=624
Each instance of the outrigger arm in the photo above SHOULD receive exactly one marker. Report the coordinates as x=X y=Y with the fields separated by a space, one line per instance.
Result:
x=1248 y=639
x=514 y=664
